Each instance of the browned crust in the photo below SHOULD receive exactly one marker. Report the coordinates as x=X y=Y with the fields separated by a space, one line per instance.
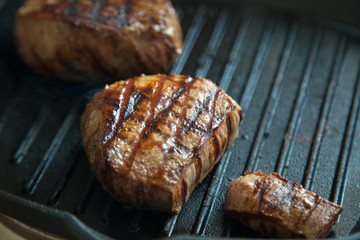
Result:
x=85 y=40
x=154 y=193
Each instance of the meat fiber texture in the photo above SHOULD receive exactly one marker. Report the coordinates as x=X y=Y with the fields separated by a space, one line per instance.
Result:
x=152 y=139
x=276 y=207
x=98 y=40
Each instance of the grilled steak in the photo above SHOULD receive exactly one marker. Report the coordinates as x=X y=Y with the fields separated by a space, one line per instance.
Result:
x=152 y=139
x=276 y=207
x=98 y=40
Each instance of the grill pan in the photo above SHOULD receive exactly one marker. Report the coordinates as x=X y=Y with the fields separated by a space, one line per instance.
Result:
x=296 y=77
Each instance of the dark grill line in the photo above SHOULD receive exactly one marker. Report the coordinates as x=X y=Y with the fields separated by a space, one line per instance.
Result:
x=183 y=91
x=305 y=215
x=209 y=104
x=114 y=125
x=27 y=142
x=272 y=101
x=342 y=136
x=189 y=42
x=208 y=101
x=121 y=113
x=298 y=108
x=190 y=39
x=214 y=43
x=85 y=197
x=238 y=44
x=7 y=93
x=16 y=96
x=208 y=205
x=325 y=110
x=237 y=49
x=212 y=193
x=31 y=184
x=134 y=224
x=69 y=169
x=257 y=66
x=136 y=98
x=347 y=147
x=170 y=224
x=105 y=215
x=146 y=130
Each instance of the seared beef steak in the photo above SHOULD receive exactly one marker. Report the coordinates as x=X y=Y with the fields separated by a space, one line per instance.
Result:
x=98 y=40
x=276 y=207
x=152 y=139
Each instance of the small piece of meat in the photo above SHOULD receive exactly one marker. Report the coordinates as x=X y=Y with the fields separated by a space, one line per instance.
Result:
x=98 y=40
x=152 y=139
x=276 y=207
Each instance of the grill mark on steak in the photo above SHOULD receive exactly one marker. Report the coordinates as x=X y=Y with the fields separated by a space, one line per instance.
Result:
x=191 y=124
x=135 y=100
x=183 y=90
x=309 y=213
x=212 y=110
x=136 y=97
x=187 y=85
x=153 y=103
x=210 y=129
x=116 y=117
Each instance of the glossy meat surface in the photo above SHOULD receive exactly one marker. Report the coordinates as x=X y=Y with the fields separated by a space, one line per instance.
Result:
x=98 y=40
x=276 y=207
x=152 y=139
